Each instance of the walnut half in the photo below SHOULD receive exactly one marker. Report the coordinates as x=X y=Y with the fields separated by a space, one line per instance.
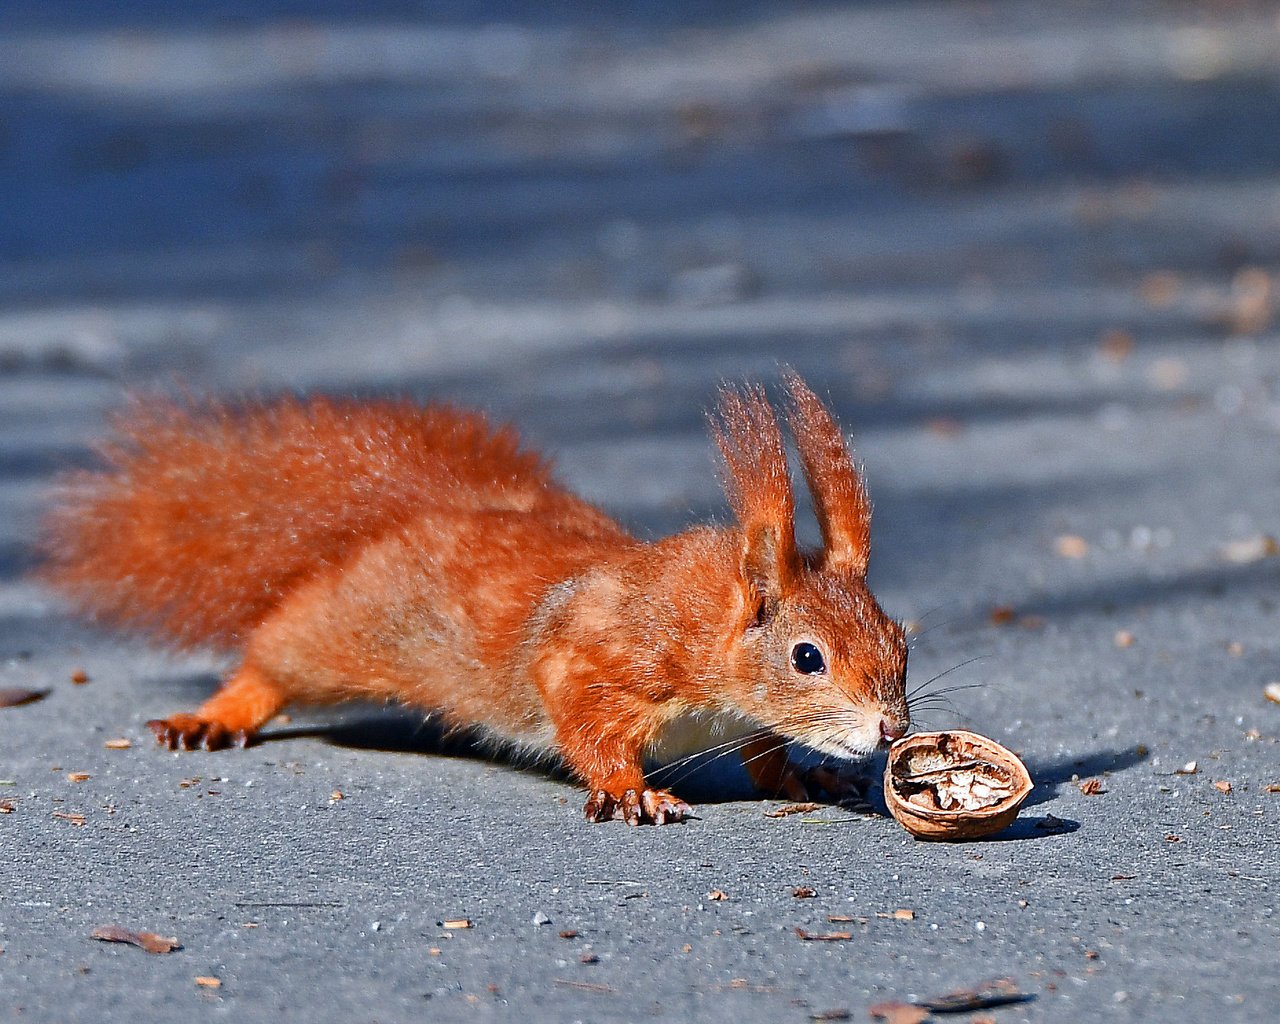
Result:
x=954 y=785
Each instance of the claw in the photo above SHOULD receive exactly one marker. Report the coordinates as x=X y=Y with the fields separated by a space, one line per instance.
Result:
x=187 y=732
x=635 y=807
x=662 y=807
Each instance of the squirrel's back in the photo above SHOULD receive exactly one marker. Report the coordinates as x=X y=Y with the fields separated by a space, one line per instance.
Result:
x=207 y=514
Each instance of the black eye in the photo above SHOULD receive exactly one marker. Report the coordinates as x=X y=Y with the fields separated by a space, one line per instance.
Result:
x=807 y=659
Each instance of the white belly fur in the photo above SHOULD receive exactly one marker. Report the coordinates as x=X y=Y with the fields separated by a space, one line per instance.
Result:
x=694 y=733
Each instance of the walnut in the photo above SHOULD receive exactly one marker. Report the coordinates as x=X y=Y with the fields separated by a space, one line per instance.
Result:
x=954 y=785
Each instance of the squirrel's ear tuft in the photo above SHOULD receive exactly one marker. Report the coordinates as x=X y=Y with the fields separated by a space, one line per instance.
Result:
x=758 y=483
x=839 y=496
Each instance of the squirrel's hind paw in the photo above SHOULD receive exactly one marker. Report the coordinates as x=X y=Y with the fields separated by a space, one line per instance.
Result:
x=644 y=807
x=190 y=732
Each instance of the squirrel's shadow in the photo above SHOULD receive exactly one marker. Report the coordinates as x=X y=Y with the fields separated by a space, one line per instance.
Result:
x=705 y=779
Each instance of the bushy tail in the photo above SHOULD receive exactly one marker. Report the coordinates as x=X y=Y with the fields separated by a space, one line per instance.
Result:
x=206 y=514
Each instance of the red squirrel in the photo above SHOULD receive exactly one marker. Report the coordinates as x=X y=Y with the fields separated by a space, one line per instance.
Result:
x=383 y=550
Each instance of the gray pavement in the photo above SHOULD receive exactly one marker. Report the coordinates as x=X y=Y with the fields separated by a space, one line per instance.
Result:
x=1030 y=251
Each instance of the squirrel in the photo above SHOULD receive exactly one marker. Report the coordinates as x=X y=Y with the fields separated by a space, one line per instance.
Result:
x=389 y=551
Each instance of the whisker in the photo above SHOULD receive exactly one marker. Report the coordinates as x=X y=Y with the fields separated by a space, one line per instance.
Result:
x=736 y=748
x=729 y=744
x=936 y=626
x=965 y=719
x=946 y=672
x=931 y=694
x=936 y=608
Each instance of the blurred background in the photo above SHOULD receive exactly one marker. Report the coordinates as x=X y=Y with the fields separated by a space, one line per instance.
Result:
x=1020 y=245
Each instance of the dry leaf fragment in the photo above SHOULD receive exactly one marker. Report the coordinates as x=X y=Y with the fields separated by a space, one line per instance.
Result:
x=456 y=922
x=119 y=744
x=1190 y=768
x=1092 y=787
x=16 y=696
x=78 y=776
x=898 y=1013
x=208 y=981
x=1071 y=546
x=1274 y=787
x=786 y=809
x=6 y=806
x=828 y=937
x=336 y=795
x=568 y=933
x=149 y=941
x=997 y=992
x=1252 y=301
x=1173 y=838
x=717 y=894
x=1272 y=692
x=845 y=919
x=840 y=1014
x=803 y=892
x=1003 y=615
x=585 y=986
x=1115 y=345
x=79 y=676
x=1222 y=786
x=75 y=819
x=945 y=426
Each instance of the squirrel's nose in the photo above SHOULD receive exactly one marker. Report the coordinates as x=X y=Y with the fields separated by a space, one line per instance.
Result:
x=890 y=731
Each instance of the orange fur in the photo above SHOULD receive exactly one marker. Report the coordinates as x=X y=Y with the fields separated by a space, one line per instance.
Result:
x=839 y=496
x=381 y=550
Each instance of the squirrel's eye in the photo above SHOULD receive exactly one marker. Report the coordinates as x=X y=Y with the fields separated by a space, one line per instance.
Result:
x=807 y=659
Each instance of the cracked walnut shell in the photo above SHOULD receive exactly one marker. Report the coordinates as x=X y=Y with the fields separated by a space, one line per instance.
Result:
x=954 y=785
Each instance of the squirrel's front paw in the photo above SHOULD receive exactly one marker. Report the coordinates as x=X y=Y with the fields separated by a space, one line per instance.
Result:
x=189 y=732
x=843 y=783
x=643 y=807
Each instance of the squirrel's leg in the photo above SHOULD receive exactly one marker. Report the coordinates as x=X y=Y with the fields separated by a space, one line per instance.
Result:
x=242 y=705
x=771 y=769
x=611 y=762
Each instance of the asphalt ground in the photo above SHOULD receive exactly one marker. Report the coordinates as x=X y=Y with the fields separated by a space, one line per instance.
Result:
x=1028 y=251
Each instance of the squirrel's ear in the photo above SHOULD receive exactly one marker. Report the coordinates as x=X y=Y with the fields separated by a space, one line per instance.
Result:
x=839 y=496
x=758 y=484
